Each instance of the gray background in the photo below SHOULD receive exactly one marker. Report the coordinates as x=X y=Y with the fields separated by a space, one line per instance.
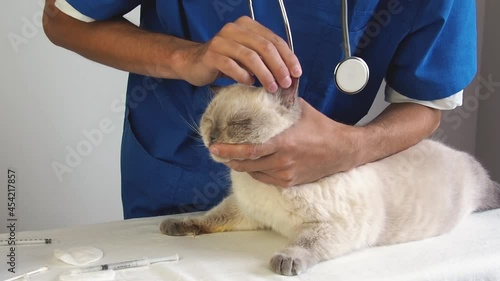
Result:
x=50 y=96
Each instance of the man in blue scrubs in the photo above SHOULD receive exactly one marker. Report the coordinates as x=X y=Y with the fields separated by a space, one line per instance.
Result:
x=425 y=51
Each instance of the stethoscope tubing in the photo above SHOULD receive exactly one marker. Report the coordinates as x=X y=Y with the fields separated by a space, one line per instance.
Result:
x=350 y=66
x=345 y=29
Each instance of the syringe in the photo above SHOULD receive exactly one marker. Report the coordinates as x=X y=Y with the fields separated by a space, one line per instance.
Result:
x=125 y=264
x=33 y=241
x=27 y=275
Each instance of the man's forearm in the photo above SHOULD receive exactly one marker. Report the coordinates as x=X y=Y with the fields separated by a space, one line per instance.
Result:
x=397 y=128
x=116 y=43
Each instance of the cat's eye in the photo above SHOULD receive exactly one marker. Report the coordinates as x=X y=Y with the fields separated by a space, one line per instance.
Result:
x=214 y=135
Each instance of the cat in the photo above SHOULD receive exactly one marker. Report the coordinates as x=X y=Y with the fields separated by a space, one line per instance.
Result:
x=421 y=192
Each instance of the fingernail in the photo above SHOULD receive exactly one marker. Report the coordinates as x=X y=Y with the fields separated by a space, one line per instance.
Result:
x=214 y=151
x=287 y=82
x=296 y=71
x=273 y=88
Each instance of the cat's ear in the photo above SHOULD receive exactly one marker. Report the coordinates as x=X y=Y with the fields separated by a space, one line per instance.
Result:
x=289 y=95
x=214 y=89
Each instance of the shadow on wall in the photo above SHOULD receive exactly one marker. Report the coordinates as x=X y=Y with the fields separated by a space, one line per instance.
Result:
x=488 y=133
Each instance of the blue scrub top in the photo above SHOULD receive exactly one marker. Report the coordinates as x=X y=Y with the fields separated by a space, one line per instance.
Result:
x=425 y=50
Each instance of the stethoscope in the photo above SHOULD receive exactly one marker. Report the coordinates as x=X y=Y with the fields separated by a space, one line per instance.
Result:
x=352 y=73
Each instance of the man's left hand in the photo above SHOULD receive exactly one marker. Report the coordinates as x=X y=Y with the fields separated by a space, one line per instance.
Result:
x=314 y=147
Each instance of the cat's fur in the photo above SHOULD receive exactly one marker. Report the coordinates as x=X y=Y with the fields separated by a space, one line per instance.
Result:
x=421 y=192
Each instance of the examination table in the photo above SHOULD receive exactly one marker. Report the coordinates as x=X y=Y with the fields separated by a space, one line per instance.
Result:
x=470 y=252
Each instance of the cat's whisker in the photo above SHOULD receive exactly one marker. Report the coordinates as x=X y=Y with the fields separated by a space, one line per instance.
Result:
x=197 y=139
x=193 y=126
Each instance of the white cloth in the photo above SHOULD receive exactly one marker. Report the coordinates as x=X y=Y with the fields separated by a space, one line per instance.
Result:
x=79 y=255
x=106 y=275
x=470 y=252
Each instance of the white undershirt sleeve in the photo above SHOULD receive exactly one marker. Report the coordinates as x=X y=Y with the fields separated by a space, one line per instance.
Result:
x=69 y=10
x=449 y=103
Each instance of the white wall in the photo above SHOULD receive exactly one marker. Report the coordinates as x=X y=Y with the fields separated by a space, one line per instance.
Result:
x=50 y=96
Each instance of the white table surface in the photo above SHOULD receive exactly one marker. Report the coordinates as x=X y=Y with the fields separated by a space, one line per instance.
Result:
x=470 y=252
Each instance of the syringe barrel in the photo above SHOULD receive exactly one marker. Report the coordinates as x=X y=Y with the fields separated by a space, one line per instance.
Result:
x=113 y=266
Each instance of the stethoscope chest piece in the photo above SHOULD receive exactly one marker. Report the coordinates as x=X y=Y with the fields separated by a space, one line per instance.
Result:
x=351 y=75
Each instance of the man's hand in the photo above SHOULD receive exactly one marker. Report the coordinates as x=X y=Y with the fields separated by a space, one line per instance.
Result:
x=240 y=50
x=313 y=148
x=317 y=146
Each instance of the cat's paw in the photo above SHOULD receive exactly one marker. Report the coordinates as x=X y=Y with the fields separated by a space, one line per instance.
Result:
x=174 y=227
x=293 y=261
x=289 y=265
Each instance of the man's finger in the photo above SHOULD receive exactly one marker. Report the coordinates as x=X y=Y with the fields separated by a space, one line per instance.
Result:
x=242 y=151
x=262 y=164
x=286 y=53
x=265 y=178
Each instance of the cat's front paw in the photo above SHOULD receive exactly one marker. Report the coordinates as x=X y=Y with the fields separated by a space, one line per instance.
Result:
x=174 y=227
x=292 y=261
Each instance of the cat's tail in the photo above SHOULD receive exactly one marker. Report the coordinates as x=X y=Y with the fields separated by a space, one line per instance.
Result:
x=491 y=199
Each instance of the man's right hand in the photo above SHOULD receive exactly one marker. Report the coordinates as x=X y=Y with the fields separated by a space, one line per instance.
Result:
x=242 y=50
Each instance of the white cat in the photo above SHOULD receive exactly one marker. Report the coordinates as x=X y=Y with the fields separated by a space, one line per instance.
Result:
x=421 y=192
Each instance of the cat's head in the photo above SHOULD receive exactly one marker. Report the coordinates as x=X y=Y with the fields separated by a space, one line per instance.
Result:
x=246 y=114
